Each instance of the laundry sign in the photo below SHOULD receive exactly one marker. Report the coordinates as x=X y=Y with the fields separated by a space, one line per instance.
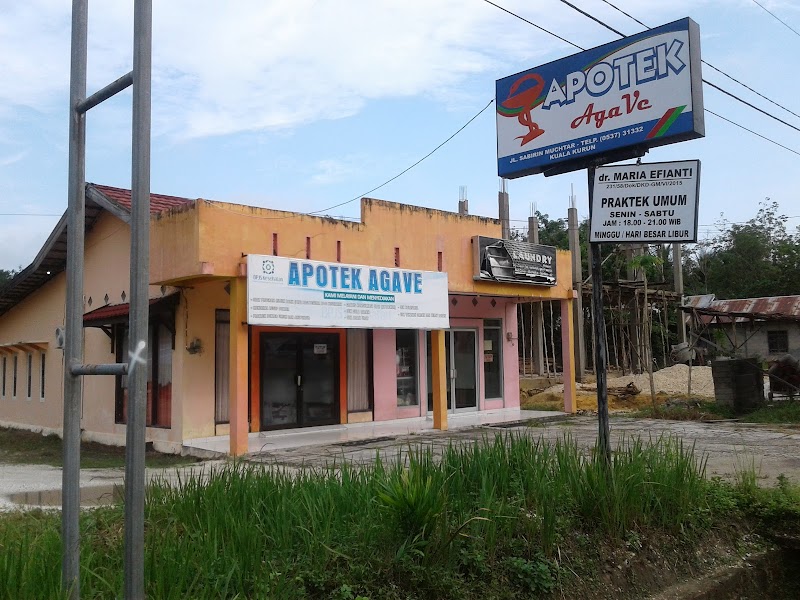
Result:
x=289 y=292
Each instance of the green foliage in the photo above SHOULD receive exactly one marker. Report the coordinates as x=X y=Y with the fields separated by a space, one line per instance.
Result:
x=482 y=520
x=762 y=248
x=6 y=276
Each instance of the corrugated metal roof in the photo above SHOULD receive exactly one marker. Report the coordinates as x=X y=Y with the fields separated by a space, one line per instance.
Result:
x=771 y=308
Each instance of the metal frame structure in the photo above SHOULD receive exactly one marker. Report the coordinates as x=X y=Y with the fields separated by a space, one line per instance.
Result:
x=140 y=79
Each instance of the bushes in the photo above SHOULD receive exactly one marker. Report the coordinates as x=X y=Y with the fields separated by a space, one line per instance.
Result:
x=481 y=520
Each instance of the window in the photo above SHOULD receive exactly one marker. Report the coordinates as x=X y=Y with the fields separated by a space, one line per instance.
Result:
x=406 y=367
x=159 y=376
x=3 y=375
x=222 y=365
x=778 y=341
x=493 y=358
x=30 y=375
x=14 y=379
x=42 y=356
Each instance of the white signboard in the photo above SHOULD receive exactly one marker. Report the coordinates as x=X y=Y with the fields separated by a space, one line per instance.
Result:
x=650 y=203
x=289 y=292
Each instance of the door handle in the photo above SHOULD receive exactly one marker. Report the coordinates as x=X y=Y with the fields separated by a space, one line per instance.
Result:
x=299 y=380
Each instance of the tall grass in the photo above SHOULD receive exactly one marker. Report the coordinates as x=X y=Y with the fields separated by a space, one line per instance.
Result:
x=485 y=516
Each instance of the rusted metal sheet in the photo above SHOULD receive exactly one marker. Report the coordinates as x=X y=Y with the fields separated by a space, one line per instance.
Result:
x=772 y=308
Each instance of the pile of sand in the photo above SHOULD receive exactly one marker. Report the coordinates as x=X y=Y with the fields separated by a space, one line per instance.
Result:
x=671 y=380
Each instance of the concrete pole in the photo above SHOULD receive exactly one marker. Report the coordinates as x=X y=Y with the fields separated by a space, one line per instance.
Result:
x=439 y=376
x=237 y=382
x=577 y=285
x=568 y=350
x=537 y=315
x=73 y=325
x=677 y=271
x=503 y=211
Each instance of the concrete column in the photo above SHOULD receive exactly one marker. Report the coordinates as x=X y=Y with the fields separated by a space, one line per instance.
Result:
x=438 y=379
x=237 y=390
x=537 y=317
x=568 y=352
x=503 y=211
x=577 y=285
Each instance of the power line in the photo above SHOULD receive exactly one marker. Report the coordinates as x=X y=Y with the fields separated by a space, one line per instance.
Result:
x=388 y=181
x=732 y=95
x=513 y=14
x=407 y=169
x=29 y=215
x=778 y=18
x=708 y=64
x=753 y=132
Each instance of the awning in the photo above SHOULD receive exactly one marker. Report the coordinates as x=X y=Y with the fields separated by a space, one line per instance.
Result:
x=118 y=313
x=14 y=347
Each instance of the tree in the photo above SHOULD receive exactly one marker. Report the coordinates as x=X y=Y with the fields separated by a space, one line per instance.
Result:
x=747 y=260
x=6 y=276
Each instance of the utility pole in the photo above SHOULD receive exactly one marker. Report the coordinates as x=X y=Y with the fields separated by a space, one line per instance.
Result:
x=503 y=212
x=537 y=314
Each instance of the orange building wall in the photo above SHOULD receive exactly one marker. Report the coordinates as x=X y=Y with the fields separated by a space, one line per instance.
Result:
x=227 y=231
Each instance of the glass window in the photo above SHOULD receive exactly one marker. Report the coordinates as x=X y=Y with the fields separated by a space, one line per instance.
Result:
x=14 y=380
x=159 y=377
x=406 y=368
x=5 y=364
x=778 y=341
x=493 y=358
x=41 y=375
x=222 y=354
x=30 y=374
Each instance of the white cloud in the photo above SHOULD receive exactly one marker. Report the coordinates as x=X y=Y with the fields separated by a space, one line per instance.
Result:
x=6 y=161
x=331 y=170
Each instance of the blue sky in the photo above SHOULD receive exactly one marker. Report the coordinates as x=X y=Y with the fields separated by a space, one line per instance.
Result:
x=304 y=104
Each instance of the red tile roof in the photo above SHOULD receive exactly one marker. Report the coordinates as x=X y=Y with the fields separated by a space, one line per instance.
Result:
x=111 y=311
x=158 y=202
x=743 y=309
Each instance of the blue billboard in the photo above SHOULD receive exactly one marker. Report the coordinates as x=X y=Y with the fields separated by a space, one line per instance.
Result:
x=639 y=92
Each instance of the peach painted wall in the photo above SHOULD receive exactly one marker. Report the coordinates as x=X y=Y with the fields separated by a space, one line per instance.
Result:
x=218 y=234
x=194 y=374
x=106 y=267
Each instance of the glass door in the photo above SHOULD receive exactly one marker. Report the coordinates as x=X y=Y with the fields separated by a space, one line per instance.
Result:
x=461 y=368
x=279 y=380
x=465 y=377
x=299 y=379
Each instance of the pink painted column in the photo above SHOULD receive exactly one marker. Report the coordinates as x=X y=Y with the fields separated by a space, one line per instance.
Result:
x=568 y=355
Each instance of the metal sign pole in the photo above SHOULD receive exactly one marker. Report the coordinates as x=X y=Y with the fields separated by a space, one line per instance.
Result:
x=73 y=318
x=140 y=305
x=598 y=320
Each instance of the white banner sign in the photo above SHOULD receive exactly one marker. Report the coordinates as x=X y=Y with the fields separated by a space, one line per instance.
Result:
x=289 y=292
x=650 y=203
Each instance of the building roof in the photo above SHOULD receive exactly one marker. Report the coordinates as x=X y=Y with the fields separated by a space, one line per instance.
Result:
x=771 y=308
x=52 y=258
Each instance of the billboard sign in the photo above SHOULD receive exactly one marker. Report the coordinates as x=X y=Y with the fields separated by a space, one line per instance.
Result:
x=510 y=261
x=649 y=203
x=288 y=292
x=642 y=91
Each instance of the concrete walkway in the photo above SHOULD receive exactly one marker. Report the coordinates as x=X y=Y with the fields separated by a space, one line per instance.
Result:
x=728 y=446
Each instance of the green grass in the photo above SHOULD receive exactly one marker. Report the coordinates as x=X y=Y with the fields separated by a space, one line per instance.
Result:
x=483 y=521
x=775 y=413
x=26 y=447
